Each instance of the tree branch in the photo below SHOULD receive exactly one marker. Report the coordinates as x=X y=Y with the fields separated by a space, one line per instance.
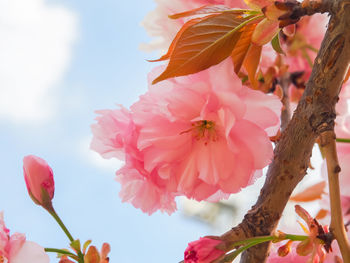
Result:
x=337 y=227
x=315 y=114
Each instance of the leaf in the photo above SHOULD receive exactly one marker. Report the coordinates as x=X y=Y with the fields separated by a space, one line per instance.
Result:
x=174 y=42
x=242 y=46
x=205 y=44
x=310 y=194
x=251 y=63
x=206 y=9
x=275 y=42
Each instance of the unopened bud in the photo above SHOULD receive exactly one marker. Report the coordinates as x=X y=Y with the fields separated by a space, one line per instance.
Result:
x=39 y=180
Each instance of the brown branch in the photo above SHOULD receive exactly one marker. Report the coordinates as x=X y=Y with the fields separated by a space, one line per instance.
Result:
x=337 y=224
x=315 y=114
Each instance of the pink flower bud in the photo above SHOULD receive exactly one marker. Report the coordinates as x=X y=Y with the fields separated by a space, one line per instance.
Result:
x=39 y=180
x=203 y=250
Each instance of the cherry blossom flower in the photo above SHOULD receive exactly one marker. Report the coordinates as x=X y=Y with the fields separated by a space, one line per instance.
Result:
x=195 y=136
x=203 y=250
x=203 y=138
x=38 y=176
x=15 y=249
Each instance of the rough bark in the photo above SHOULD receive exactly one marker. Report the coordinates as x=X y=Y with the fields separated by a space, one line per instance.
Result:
x=315 y=114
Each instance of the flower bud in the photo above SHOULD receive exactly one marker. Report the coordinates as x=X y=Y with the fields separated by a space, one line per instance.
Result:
x=39 y=180
x=203 y=250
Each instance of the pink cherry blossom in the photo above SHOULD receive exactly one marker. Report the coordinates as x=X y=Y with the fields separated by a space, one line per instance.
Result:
x=196 y=136
x=39 y=180
x=203 y=250
x=15 y=249
x=159 y=25
x=203 y=137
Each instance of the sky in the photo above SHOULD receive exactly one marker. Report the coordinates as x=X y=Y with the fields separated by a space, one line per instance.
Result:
x=60 y=61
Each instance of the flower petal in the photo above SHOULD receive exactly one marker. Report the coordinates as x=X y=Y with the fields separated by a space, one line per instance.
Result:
x=30 y=252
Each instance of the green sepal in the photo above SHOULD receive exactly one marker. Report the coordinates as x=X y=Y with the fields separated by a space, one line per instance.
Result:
x=75 y=245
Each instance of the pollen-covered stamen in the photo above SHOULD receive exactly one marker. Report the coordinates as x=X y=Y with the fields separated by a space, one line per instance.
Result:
x=203 y=129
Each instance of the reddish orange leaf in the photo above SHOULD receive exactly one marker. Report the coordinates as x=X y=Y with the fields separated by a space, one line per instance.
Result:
x=310 y=194
x=178 y=35
x=242 y=46
x=206 y=9
x=251 y=63
x=204 y=44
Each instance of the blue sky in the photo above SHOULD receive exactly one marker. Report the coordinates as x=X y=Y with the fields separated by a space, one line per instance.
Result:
x=90 y=61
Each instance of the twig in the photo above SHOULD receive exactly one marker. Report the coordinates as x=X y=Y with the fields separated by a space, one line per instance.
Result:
x=337 y=225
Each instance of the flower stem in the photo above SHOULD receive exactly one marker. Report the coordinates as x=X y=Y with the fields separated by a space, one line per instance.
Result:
x=60 y=223
x=296 y=237
x=60 y=251
x=259 y=239
x=250 y=242
x=231 y=256
x=343 y=140
x=333 y=169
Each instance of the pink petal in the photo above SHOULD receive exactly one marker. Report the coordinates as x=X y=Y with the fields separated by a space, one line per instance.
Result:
x=30 y=252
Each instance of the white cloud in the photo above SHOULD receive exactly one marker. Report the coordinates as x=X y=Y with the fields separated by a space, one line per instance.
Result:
x=35 y=49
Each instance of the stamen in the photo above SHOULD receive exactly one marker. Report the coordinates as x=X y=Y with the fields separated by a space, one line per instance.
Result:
x=203 y=129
